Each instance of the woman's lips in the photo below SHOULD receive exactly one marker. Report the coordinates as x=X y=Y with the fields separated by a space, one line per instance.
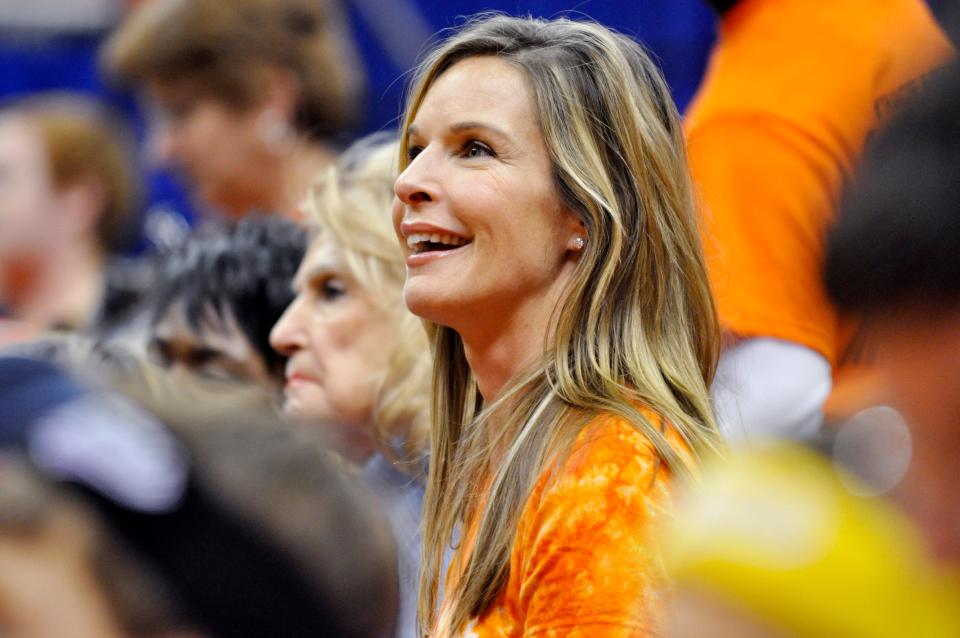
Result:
x=298 y=378
x=419 y=259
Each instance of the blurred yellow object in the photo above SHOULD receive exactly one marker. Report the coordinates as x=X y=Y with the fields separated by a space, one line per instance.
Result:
x=773 y=532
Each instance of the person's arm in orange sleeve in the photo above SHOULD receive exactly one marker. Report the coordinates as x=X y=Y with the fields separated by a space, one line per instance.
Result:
x=768 y=191
x=588 y=569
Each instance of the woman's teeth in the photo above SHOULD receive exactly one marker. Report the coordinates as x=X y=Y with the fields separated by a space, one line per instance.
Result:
x=422 y=242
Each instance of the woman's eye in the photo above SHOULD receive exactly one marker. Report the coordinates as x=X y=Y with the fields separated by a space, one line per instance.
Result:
x=412 y=152
x=474 y=148
x=331 y=290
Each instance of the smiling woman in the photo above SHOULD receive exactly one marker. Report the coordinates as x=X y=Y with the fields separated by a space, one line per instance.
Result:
x=546 y=216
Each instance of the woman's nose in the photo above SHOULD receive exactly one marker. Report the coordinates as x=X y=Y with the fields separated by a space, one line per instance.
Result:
x=287 y=335
x=418 y=183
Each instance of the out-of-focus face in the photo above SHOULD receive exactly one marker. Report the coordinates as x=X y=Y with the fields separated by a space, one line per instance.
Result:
x=339 y=342
x=219 y=351
x=483 y=229
x=920 y=355
x=28 y=200
x=217 y=146
x=48 y=588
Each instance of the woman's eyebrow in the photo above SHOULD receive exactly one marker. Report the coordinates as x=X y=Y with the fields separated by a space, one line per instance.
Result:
x=460 y=127
x=319 y=269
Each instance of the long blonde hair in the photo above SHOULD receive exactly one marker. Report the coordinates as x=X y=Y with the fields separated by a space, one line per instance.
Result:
x=352 y=202
x=637 y=326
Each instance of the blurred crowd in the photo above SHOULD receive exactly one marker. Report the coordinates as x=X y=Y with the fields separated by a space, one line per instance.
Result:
x=236 y=433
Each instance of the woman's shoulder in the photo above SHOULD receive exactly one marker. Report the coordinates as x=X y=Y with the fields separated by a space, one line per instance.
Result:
x=611 y=438
x=583 y=555
x=611 y=458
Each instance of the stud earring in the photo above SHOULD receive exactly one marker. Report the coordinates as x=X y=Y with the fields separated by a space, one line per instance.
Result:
x=579 y=242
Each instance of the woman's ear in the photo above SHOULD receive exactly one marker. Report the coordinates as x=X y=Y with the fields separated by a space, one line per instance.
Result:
x=576 y=232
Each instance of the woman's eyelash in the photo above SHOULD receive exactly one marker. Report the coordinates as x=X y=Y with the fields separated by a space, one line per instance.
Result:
x=476 y=148
x=329 y=289
x=332 y=290
x=470 y=148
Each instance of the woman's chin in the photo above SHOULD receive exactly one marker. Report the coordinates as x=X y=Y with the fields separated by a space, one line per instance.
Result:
x=427 y=303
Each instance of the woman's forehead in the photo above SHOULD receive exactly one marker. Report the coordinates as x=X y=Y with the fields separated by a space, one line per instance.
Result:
x=479 y=89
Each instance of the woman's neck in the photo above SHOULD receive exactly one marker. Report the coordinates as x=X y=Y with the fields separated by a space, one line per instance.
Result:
x=500 y=344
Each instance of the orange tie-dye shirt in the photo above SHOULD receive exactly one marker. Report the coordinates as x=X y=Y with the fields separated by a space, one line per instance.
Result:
x=582 y=563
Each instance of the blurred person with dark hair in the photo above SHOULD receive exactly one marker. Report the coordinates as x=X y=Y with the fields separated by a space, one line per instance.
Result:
x=248 y=96
x=68 y=191
x=222 y=525
x=791 y=93
x=359 y=364
x=892 y=257
x=219 y=296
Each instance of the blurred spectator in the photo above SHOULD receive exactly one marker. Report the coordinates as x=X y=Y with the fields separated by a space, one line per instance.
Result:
x=791 y=93
x=248 y=96
x=359 y=360
x=892 y=257
x=218 y=297
x=67 y=194
x=224 y=526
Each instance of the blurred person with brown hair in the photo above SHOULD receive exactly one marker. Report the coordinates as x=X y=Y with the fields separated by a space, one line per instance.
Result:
x=790 y=96
x=68 y=191
x=203 y=524
x=359 y=364
x=248 y=96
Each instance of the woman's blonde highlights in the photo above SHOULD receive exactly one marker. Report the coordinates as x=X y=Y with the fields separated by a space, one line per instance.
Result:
x=637 y=326
x=352 y=203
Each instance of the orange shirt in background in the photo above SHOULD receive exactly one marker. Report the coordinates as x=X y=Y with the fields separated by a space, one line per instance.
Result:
x=582 y=564
x=792 y=90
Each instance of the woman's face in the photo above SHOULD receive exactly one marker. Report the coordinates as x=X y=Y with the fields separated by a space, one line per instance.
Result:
x=481 y=224
x=213 y=143
x=338 y=342
x=28 y=199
